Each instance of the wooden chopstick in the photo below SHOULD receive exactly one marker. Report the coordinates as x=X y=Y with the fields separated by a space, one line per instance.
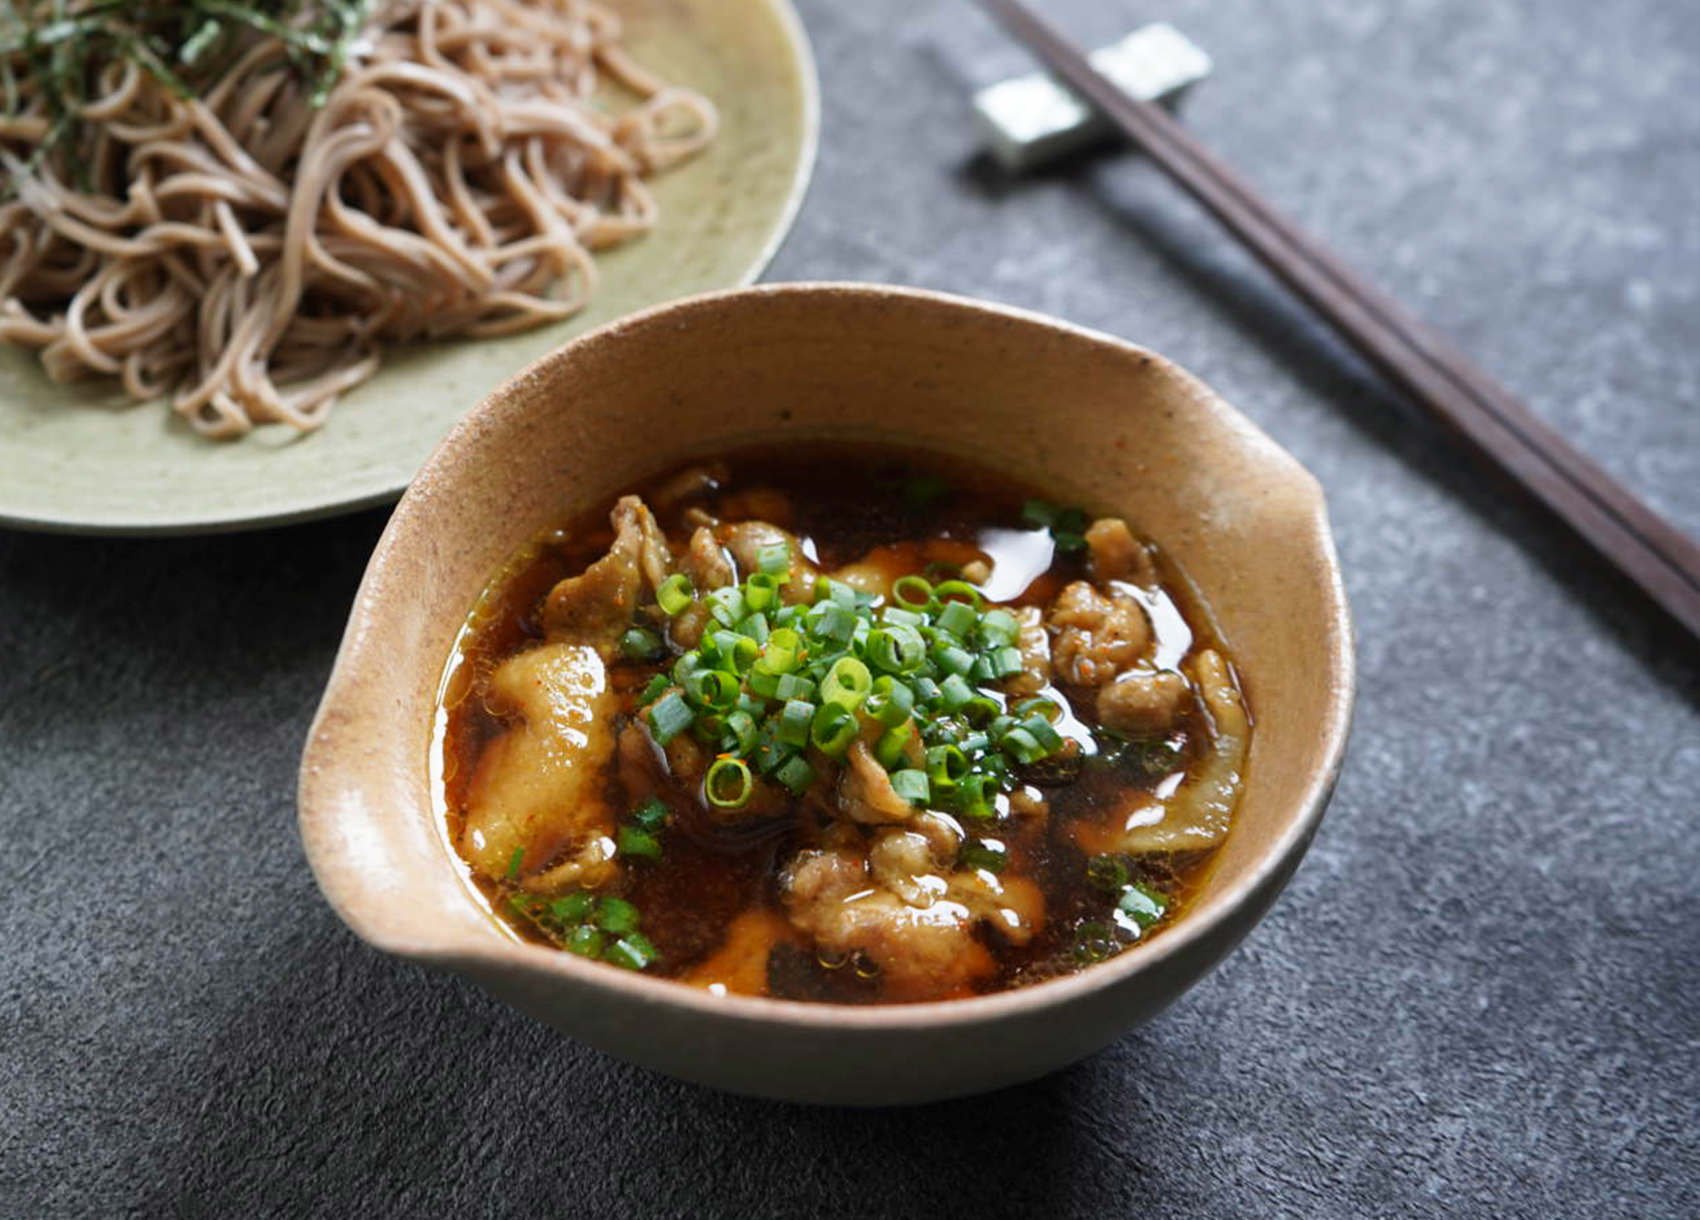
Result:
x=1663 y=561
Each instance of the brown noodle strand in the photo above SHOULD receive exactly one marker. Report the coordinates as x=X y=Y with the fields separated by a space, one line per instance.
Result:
x=245 y=255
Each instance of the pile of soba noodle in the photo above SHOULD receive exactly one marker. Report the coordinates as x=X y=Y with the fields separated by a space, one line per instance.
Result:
x=246 y=252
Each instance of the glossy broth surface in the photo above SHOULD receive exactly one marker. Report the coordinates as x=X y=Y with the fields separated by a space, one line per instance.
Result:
x=719 y=906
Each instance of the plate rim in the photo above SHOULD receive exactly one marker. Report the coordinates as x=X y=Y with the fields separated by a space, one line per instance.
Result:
x=297 y=511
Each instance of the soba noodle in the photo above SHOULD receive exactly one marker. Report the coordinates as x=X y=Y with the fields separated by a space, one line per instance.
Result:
x=246 y=253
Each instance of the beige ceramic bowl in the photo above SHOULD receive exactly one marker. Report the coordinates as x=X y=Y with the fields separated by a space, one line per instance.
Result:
x=1094 y=419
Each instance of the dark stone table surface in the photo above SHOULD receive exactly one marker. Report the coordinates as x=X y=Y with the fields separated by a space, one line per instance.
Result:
x=1480 y=994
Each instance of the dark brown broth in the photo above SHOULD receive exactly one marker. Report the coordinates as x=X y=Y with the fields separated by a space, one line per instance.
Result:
x=844 y=501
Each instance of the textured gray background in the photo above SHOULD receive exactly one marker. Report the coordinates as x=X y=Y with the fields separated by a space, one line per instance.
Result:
x=1480 y=995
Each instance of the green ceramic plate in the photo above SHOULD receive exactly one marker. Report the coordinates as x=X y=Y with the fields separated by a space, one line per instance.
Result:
x=85 y=459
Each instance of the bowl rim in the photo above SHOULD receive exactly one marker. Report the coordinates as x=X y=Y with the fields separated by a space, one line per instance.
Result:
x=317 y=795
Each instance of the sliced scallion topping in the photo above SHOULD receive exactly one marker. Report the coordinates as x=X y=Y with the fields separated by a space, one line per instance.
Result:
x=632 y=951
x=1144 y=905
x=773 y=559
x=728 y=783
x=847 y=683
x=911 y=785
x=641 y=644
x=635 y=841
x=988 y=854
x=616 y=915
x=833 y=730
x=913 y=593
x=796 y=775
x=669 y=716
x=675 y=594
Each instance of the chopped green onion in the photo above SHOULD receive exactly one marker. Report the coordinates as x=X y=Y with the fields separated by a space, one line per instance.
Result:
x=514 y=861
x=585 y=941
x=952 y=591
x=890 y=702
x=774 y=559
x=951 y=659
x=971 y=798
x=726 y=605
x=651 y=815
x=988 y=854
x=728 y=784
x=896 y=616
x=912 y=593
x=742 y=728
x=833 y=730
x=761 y=591
x=794 y=686
x=780 y=654
x=980 y=709
x=1069 y=521
x=897 y=649
x=847 y=683
x=958 y=618
x=616 y=915
x=713 y=688
x=1038 y=705
x=1038 y=513
x=911 y=785
x=947 y=766
x=796 y=775
x=955 y=693
x=633 y=952
x=675 y=594
x=1144 y=905
x=570 y=908
x=755 y=626
x=1021 y=744
x=736 y=652
x=770 y=753
x=635 y=841
x=835 y=591
x=794 y=721
x=1106 y=873
x=669 y=716
x=1068 y=543
x=831 y=621
x=893 y=745
x=652 y=689
x=1004 y=662
x=641 y=644
x=998 y=627
x=1050 y=741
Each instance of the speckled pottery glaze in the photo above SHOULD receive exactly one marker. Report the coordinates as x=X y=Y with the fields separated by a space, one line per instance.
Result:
x=84 y=458
x=1096 y=420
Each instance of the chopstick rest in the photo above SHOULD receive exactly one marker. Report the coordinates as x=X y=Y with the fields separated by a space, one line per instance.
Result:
x=1032 y=120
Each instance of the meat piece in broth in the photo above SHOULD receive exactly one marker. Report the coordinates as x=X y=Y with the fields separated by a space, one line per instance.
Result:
x=865 y=793
x=1142 y=702
x=1113 y=553
x=707 y=566
x=1097 y=634
x=1198 y=814
x=538 y=790
x=595 y=607
x=921 y=953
